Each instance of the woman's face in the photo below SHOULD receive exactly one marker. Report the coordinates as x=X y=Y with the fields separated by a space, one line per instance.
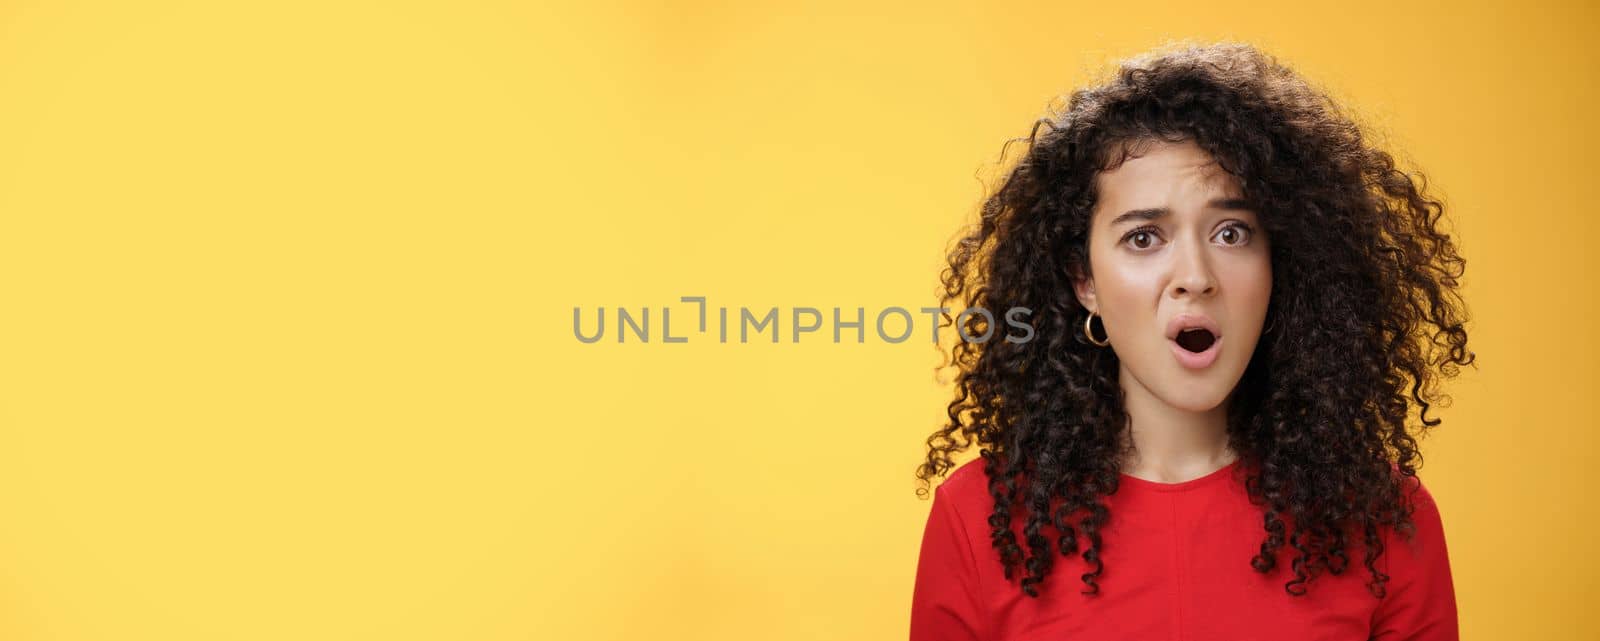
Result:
x=1173 y=246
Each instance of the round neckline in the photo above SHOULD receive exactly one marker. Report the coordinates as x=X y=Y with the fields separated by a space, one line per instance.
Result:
x=1218 y=475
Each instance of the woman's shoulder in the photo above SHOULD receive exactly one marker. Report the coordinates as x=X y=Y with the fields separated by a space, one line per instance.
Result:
x=967 y=486
x=1412 y=489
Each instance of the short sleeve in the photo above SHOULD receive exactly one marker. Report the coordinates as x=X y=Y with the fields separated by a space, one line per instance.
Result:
x=1420 y=601
x=946 y=604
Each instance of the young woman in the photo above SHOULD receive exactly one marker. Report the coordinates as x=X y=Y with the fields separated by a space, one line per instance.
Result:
x=1238 y=300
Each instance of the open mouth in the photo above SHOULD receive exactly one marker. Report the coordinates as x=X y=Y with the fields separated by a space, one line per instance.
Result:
x=1196 y=340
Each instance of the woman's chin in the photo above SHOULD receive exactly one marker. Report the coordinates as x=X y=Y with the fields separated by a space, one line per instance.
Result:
x=1190 y=397
x=1189 y=390
x=1197 y=408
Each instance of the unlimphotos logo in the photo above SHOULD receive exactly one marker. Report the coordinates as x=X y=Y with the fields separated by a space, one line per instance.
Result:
x=890 y=324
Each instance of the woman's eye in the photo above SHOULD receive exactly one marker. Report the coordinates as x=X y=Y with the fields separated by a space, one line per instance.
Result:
x=1235 y=234
x=1140 y=239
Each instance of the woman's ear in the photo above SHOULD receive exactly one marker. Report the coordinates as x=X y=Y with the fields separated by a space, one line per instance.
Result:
x=1083 y=287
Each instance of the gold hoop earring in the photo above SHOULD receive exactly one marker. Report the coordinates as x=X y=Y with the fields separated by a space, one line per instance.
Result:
x=1088 y=332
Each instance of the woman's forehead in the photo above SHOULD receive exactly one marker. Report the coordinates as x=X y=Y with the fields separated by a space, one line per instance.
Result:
x=1166 y=175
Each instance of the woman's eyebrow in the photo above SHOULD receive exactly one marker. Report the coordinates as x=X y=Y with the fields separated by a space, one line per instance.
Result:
x=1154 y=213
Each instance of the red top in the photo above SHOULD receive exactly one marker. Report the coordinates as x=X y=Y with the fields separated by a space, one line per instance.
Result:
x=1176 y=568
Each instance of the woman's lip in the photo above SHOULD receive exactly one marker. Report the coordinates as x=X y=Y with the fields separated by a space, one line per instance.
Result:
x=1184 y=321
x=1193 y=360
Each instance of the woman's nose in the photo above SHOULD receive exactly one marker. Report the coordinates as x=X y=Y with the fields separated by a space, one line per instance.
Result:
x=1192 y=274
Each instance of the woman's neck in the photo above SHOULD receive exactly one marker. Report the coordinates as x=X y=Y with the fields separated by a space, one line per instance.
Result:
x=1168 y=444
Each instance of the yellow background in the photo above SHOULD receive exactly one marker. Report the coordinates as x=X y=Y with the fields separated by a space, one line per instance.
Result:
x=286 y=346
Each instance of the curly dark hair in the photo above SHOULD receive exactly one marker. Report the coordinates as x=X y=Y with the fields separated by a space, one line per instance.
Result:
x=1364 y=308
